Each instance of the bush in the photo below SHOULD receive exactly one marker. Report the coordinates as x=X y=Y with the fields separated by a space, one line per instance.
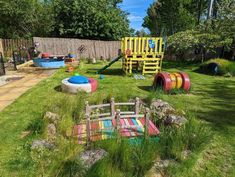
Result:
x=218 y=66
x=192 y=41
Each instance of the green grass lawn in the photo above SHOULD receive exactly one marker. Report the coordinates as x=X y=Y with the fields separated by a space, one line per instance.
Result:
x=211 y=99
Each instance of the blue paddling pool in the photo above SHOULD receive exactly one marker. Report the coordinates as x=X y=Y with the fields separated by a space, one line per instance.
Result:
x=49 y=63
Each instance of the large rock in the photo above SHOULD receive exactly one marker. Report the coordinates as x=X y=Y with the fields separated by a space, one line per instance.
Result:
x=158 y=169
x=41 y=144
x=161 y=108
x=51 y=117
x=175 y=119
x=165 y=112
x=90 y=157
x=51 y=132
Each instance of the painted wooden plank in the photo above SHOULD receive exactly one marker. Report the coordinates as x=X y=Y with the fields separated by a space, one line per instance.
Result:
x=141 y=129
x=132 y=124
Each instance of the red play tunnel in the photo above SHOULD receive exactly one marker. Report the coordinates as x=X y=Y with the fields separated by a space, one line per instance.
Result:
x=169 y=81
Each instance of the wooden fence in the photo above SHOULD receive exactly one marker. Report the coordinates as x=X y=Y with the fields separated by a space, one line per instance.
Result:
x=63 y=46
x=1 y=47
x=9 y=45
x=82 y=48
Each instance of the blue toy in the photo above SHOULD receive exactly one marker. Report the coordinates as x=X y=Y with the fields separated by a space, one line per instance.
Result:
x=101 y=77
x=78 y=80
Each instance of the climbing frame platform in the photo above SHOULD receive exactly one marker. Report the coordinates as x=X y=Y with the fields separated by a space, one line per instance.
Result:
x=143 y=54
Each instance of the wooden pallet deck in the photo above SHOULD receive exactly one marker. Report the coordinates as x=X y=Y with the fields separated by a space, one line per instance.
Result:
x=101 y=130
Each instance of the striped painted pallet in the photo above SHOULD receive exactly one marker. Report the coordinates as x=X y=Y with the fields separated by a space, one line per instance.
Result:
x=105 y=129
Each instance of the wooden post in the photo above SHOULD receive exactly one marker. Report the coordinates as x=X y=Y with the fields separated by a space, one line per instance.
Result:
x=88 y=129
x=88 y=123
x=118 y=126
x=137 y=106
x=112 y=107
x=147 y=117
x=87 y=108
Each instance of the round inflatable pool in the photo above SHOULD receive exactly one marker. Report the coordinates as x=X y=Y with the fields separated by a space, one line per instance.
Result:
x=68 y=85
x=49 y=63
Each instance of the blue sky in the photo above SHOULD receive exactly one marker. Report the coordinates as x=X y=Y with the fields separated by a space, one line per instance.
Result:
x=137 y=10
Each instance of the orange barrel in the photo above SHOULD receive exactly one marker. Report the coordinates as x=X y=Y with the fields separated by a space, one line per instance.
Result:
x=162 y=80
x=179 y=80
x=186 y=81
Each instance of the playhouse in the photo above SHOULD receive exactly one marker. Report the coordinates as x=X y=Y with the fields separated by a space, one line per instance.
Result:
x=143 y=54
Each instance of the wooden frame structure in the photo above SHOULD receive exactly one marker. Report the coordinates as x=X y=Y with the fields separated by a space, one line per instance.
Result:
x=116 y=118
x=142 y=53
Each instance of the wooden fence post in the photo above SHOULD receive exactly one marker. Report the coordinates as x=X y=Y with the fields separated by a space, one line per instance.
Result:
x=147 y=117
x=137 y=105
x=88 y=123
x=112 y=107
x=118 y=126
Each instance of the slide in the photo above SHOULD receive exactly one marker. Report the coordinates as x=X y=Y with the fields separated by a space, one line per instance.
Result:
x=108 y=65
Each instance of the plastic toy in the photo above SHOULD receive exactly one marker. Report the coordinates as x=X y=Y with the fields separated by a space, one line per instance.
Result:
x=76 y=74
x=46 y=55
x=49 y=63
x=70 y=69
x=79 y=83
x=101 y=77
x=171 y=81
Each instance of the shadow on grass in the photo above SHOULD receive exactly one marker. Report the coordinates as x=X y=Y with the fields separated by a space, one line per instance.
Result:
x=58 y=88
x=146 y=88
x=111 y=72
x=222 y=104
x=178 y=65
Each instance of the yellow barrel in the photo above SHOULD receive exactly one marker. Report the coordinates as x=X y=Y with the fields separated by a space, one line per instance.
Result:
x=179 y=80
x=173 y=81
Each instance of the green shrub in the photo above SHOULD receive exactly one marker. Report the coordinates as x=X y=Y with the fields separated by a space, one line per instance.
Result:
x=182 y=42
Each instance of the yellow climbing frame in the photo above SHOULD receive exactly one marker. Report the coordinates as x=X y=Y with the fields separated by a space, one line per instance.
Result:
x=142 y=53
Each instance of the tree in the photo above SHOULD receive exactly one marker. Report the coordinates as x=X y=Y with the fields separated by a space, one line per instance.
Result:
x=24 y=18
x=100 y=19
x=171 y=16
x=141 y=33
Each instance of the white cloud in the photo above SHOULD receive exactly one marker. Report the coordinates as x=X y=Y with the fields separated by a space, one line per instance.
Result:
x=135 y=18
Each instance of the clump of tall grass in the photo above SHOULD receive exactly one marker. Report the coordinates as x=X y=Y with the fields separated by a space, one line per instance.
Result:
x=123 y=156
x=192 y=136
x=63 y=158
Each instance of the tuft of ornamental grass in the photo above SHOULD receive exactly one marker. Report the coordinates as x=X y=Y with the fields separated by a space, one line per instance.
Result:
x=192 y=136
x=125 y=158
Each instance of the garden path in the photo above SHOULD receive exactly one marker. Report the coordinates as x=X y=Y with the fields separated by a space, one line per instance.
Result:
x=14 y=89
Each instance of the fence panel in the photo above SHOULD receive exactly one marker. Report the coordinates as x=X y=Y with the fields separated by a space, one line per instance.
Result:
x=2 y=67
x=9 y=45
x=81 y=47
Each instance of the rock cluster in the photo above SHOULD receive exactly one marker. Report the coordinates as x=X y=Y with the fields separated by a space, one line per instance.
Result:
x=90 y=157
x=51 y=128
x=42 y=144
x=166 y=113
